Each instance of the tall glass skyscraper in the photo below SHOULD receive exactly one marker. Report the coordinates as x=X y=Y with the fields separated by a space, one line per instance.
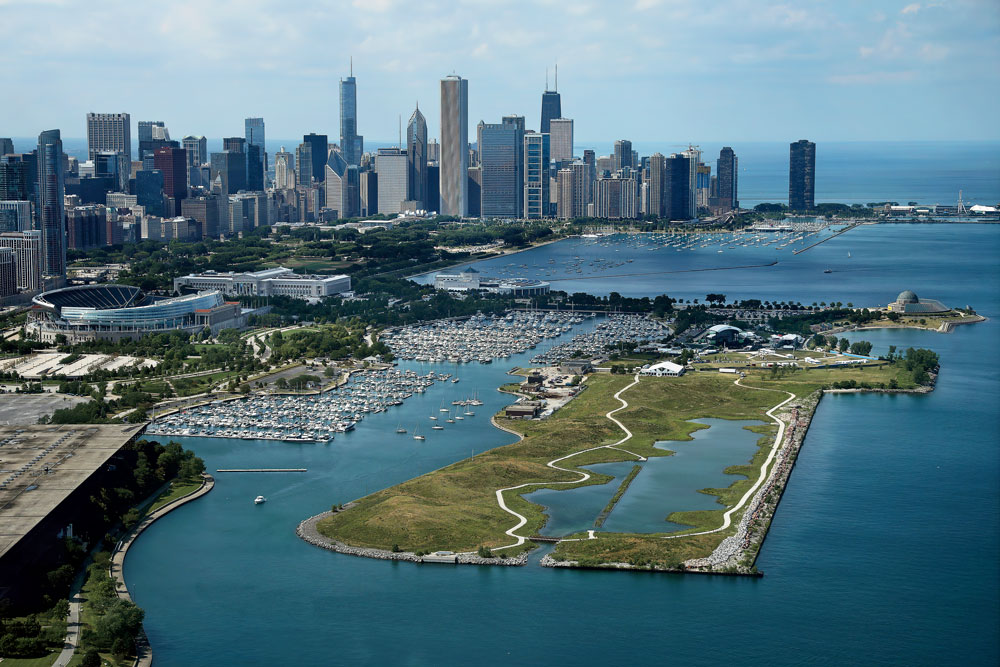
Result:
x=500 y=148
x=454 y=146
x=551 y=108
x=51 y=191
x=802 y=175
x=254 y=133
x=352 y=144
x=319 y=147
x=536 y=175
x=416 y=158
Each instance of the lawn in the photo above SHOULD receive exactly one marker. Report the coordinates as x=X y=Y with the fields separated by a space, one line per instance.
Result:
x=178 y=488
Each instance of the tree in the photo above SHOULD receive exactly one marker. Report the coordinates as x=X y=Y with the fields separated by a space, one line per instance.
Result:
x=844 y=345
x=91 y=659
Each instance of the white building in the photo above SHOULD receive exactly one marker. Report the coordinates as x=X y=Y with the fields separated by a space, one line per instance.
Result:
x=27 y=249
x=390 y=163
x=269 y=282
x=664 y=369
x=561 y=139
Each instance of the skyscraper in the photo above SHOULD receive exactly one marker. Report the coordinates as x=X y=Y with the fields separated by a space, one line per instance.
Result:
x=319 y=146
x=6 y=146
x=623 y=155
x=303 y=164
x=392 y=167
x=153 y=134
x=677 y=192
x=500 y=149
x=172 y=162
x=657 y=167
x=561 y=131
x=551 y=104
x=109 y=132
x=196 y=153
x=229 y=172
x=343 y=186
x=416 y=157
x=454 y=182
x=536 y=175
x=802 y=175
x=727 y=172
x=284 y=171
x=352 y=144
x=51 y=190
x=254 y=133
x=694 y=159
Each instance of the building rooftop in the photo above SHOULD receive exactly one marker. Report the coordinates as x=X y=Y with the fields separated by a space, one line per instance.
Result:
x=907 y=296
x=41 y=465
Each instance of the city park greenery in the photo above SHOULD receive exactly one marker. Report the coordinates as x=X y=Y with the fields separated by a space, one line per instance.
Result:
x=455 y=508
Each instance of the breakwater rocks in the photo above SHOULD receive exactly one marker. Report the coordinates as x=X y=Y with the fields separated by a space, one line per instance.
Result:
x=308 y=532
x=549 y=561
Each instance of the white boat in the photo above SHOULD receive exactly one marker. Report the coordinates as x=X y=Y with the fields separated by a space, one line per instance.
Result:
x=259 y=500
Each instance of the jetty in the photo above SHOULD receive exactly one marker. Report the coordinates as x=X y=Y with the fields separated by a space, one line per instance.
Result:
x=261 y=470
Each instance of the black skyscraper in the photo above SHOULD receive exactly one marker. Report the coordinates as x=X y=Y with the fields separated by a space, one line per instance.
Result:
x=319 y=145
x=802 y=175
x=677 y=188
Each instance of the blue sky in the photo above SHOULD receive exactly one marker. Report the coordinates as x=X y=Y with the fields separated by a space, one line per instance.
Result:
x=648 y=70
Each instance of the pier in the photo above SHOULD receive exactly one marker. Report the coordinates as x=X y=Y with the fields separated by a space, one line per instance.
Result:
x=834 y=235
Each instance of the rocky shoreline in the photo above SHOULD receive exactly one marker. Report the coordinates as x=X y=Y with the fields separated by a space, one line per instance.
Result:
x=307 y=531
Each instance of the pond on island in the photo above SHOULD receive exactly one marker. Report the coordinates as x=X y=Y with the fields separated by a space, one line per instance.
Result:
x=666 y=484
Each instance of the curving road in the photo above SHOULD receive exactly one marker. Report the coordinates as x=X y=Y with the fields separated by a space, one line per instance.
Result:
x=584 y=476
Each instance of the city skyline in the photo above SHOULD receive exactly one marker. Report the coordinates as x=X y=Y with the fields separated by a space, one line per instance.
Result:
x=831 y=71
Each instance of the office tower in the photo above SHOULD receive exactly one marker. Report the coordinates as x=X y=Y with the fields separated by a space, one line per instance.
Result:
x=234 y=144
x=475 y=188
x=368 y=186
x=204 y=210
x=391 y=165
x=454 y=146
x=255 y=168
x=351 y=143
x=114 y=166
x=109 y=132
x=561 y=131
x=342 y=186
x=254 y=134
x=153 y=134
x=551 y=104
x=500 y=148
x=656 y=189
x=172 y=163
x=51 y=190
x=416 y=157
x=623 y=155
x=802 y=175
x=433 y=151
x=564 y=199
x=149 y=191
x=196 y=154
x=303 y=164
x=284 y=170
x=319 y=146
x=27 y=247
x=517 y=123
x=6 y=146
x=433 y=187
x=727 y=173
x=704 y=184
x=536 y=175
x=228 y=172
x=694 y=159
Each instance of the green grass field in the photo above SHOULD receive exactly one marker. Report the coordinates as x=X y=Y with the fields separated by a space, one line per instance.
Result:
x=455 y=507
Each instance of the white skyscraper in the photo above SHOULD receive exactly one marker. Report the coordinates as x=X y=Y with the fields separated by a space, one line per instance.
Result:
x=454 y=176
x=390 y=163
x=284 y=171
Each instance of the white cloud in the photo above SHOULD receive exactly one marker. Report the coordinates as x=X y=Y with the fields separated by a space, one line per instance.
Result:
x=910 y=9
x=873 y=78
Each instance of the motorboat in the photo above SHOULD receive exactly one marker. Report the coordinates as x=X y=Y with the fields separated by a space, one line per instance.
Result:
x=259 y=500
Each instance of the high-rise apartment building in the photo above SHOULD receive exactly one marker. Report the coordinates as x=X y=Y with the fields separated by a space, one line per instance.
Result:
x=109 y=132
x=727 y=173
x=352 y=144
x=536 y=175
x=27 y=247
x=391 y=165
x=15 y=215
x=284 y=170
x=16 y=178
x=454 y=176
x=416 y=158
x=802 y=175
x=656 y=186
x=617 y=198
x=51 y=190
x=500 y=148
x=694 y=159
x=561 y=131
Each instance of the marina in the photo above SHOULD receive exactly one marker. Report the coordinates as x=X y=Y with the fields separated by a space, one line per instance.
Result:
x=610 y=331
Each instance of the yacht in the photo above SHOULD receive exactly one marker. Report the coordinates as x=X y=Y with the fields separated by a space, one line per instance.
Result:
x=400 y=429
x=259 y=500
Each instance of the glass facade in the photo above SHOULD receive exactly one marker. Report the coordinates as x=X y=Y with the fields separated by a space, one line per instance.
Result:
x=499 y=154
x=536 y=175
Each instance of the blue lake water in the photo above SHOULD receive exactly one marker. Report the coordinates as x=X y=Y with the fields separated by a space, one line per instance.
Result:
x=883 y=549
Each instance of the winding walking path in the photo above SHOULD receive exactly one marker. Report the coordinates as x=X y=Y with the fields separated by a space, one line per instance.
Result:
x=584 y=476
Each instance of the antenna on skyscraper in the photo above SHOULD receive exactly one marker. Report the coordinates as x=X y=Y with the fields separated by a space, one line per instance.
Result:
x=557 y=78
x=546 y=78
x=400 y=144
x=352 y=65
